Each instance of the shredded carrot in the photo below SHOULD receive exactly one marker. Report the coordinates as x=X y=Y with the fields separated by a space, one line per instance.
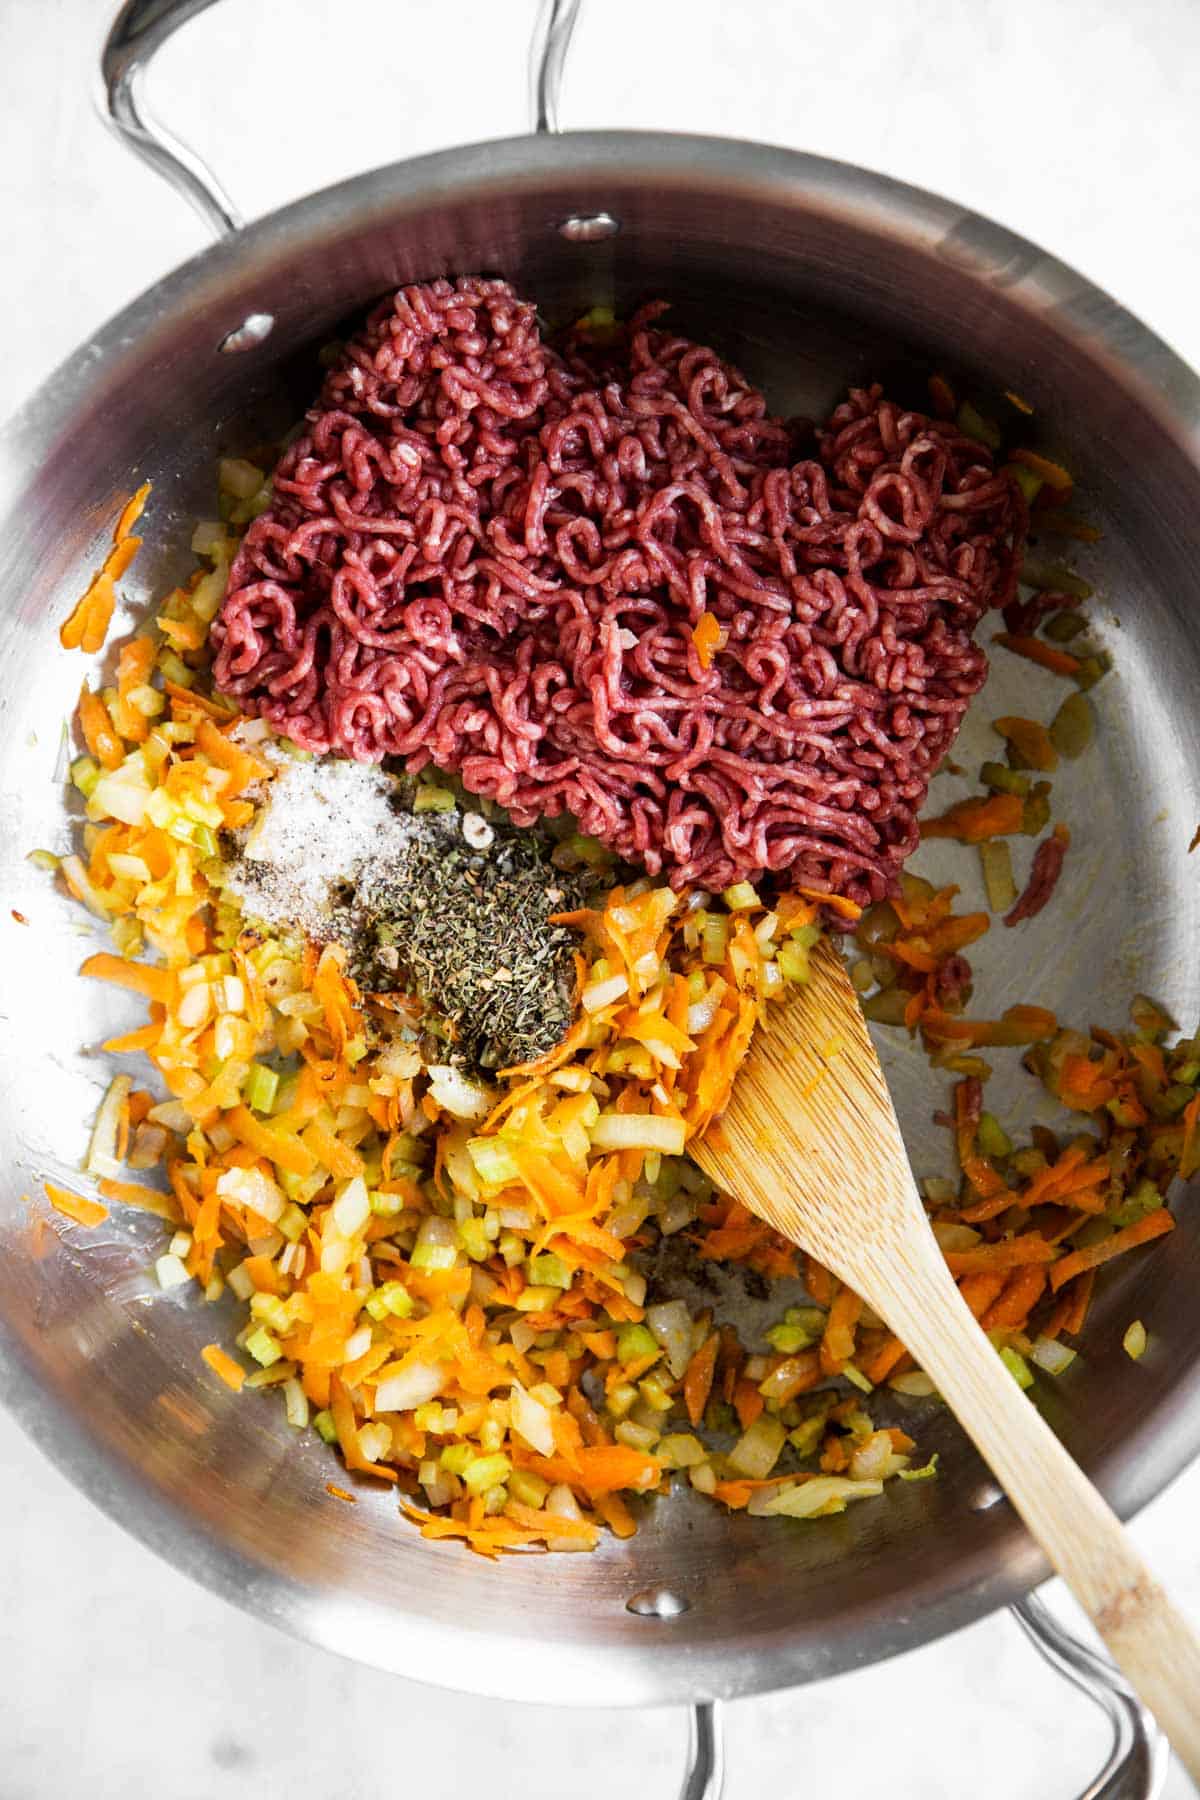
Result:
x=707 y=636
x=698 y=1378
x=231 y=1373
x=145 y=1199
x=941 y=397
x=87 y=626
x=1030 y=738
x=1142 y=1231
x=99 y=733
x=1021 y=1293
x=75 y=1206
x=1036 y=650
x=1010 y=1253
x=1081 y=1291
x=1052 y=473
x=974 y=821
x=340 y=1493
x=837 y=1344
x=139 y=978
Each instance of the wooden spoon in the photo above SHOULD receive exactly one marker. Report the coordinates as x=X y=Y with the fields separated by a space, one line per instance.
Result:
x=811 y=1144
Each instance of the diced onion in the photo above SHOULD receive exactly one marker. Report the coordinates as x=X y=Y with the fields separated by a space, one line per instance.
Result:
x=250 y=1187
x=602 y=993
x=170 y=1272
x=639 y=1131
x=561 y=1502
x=454 y=1091
x=1052 y=1356
x=102 y=1146
x=531 y=1420
x=757 y=1450
x=824 y=1493
x=352 y=1208
x=413 y=1386
x=671 y=1324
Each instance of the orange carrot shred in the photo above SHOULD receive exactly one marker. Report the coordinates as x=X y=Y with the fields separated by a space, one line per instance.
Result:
x=231 y=1373
x=75 y=1206
x=1142 y=1231
x=1035 y=650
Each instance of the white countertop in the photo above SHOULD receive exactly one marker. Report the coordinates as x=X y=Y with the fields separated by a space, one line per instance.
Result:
x=1072 y=123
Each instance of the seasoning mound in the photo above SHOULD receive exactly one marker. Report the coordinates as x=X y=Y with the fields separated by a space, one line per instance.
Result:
x=444 y=906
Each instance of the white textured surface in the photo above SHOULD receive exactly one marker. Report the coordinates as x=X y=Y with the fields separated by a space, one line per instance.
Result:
x=1073 y=123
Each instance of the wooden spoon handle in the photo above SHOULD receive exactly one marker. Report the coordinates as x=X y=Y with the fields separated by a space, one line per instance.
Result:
x=1080 y=1534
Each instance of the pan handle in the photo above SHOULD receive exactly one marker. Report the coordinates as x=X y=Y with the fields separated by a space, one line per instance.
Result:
x=142 y=27
x=1137 y=1763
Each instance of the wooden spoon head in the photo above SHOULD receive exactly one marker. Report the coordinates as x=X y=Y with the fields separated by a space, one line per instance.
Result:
x=810 y=1140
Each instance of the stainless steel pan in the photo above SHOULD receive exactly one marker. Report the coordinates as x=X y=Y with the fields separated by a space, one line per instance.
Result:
x=810 y=274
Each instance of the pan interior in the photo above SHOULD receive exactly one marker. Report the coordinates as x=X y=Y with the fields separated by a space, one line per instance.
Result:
x=809 y=289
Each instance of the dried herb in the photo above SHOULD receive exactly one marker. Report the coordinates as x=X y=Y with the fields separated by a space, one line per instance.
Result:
x=464 y=925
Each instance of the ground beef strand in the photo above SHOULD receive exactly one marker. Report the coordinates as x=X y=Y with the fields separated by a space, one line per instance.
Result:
x=490 y=555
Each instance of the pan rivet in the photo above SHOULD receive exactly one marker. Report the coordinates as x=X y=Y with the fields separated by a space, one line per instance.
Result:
x=985 y=1497
x=657 y=1603
x=589 y=228
x=254 y=329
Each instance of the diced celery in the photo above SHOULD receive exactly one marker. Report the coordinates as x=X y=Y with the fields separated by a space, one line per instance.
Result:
x=993 y=1139
x=740 y=897
x=485 y=1472
x=324 y=1426
x=680 y=1450
x=457 y=1458
x=1062 y=627
x=807 y=1436
x=175 y=669
x=621 y=1397
x=271 y=1311
x=995 y=859
x=655 y=1394
x=788 y=1338
x=635 y=1436
x=429 y=1257
x=263 y=1347
x=856 y=1378
x=472 y=1235
x=512 y=1248
x=1145 y=1198
x=292 y=1222
x=1135 y=1340
x=999 y=776
x=433 y=799
x=975 y=425
x=85 y=773
x=1029 y=483
x=238 y=477
x=548 y=1270
x=714 y=938
x=1073 y=726
x=926 y=1472
x=1016 y=1365
x=793 y=961
x=528 y=1488
x=260 y=1088
x=634 y=1342
x=493 y=1161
